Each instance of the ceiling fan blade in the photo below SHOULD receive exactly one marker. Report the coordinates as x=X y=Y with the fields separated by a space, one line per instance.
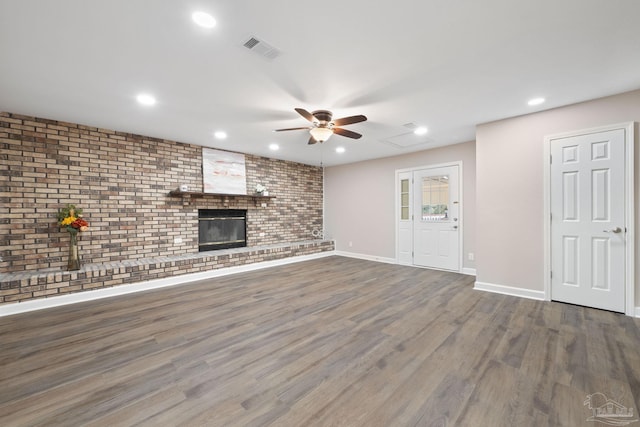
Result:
x=347 y=133
x=281 y=130
x=307 y=115
x=312 y=141
x=349 y=120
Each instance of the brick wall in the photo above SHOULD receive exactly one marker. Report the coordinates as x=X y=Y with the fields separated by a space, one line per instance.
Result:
x=122 y=182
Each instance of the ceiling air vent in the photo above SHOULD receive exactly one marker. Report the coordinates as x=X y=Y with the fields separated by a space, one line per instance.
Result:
x=251 y=43
x=261 y=47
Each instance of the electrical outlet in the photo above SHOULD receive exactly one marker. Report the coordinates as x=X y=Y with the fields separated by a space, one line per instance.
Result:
x=350 y=244
x=471 y=256
x=177 y=240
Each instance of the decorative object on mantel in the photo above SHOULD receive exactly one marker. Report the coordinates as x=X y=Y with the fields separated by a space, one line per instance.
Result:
x=184 y=187
x=70 y=218
x=223 y=172
x=261 y=190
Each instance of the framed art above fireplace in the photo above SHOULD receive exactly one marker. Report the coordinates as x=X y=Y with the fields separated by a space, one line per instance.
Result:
x=223 y=172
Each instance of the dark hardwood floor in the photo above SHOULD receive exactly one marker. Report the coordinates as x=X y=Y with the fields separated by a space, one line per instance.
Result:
x=330 y=342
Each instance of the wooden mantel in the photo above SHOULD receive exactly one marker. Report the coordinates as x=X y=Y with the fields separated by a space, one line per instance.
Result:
x=188 y=195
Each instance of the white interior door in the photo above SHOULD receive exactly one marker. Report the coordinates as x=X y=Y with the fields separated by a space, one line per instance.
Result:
x=436 y=223
x=588 y=234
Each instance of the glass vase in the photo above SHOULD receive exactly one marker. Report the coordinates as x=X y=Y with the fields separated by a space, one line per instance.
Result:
x=74 y=259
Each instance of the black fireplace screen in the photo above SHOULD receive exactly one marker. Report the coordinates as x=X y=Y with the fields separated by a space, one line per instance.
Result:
x=221 y=229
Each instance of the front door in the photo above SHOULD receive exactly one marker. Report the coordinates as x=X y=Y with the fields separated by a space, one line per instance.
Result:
x=588 y=235
x=435 y=218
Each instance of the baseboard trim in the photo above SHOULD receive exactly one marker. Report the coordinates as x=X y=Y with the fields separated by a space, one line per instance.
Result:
x=366 y=257
x=509 y=290
x=57 y=301
x=469 y=271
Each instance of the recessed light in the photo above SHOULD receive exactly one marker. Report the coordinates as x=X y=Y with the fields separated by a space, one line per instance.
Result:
x=146 y=99
x=203 y=19
x=535 y=101
x=220 y=134
x=421 y=130
x=340 y=150
x=274 y=147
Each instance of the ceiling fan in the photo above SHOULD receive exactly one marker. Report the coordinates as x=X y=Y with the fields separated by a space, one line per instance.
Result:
x=323 y=126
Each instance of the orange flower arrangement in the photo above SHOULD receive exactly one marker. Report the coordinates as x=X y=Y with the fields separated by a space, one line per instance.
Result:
x=71 y=219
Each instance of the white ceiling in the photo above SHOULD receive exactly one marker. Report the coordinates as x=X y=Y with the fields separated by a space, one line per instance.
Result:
x=447 y=65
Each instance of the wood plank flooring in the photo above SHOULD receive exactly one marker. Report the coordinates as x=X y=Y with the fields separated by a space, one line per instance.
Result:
x=329 y=342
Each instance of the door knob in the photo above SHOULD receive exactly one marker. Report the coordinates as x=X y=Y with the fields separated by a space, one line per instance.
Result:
x=614 y=230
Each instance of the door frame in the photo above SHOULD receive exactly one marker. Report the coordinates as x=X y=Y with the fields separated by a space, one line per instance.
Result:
x=629 y=212
x=396 y=206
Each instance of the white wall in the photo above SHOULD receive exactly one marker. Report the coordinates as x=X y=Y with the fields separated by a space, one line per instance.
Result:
x=360 y=200
x=509 y=186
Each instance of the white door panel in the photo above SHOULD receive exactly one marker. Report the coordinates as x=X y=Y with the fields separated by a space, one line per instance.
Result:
x=570 y=259
x=443 y=243
x=425 y=242
x=405 y=241
x=588 y=219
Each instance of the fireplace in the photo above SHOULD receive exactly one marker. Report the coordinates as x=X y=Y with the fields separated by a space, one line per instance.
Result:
x=221 y=229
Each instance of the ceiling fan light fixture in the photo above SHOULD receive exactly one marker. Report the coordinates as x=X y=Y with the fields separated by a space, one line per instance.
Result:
x=324 y=126
x=321 y=134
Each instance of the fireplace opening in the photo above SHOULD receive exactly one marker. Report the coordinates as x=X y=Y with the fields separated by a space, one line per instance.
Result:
x=221 y=229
